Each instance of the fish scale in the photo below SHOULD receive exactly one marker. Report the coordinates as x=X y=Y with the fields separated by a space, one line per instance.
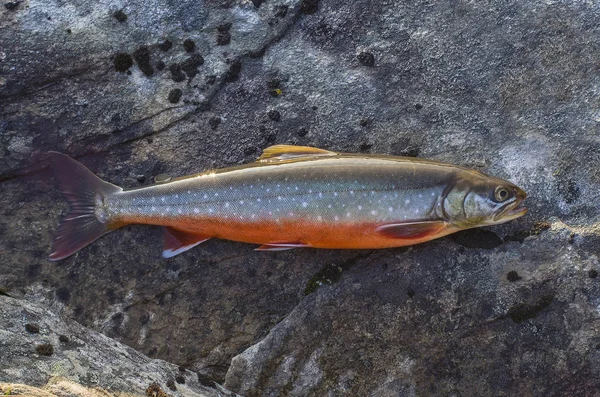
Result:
x=292 y=196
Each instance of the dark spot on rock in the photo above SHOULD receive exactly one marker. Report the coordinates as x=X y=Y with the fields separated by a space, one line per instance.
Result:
x=63 y=339
x=141 y=178
x=165 y=45
x=144 y=319
x=513 y=276
x=327 y=275
x=180 y=378
x=257 y=3
x=78 y=311
x=274 y=115
x=366 y=58
x=523 y=311
x=271 y=137
x=223 y=35
x=210 y=80
x=45 y=349
x=477 y=238
x=171 y=384
x=12 y=5
x=175 y=95
x=281 y=11
x=234 y=71
x=302 y=131
x=128 y=73
x=142 y=58
x=154 y=390
x=32 y=328
x=177 y=74
x=365 y=147
x=410 y=292
x=273 y=83
x=160 y=65
x=223 y=38
x=275 y=93
x=34 y=270
x=63 y=294
x=214 y=122
x=120 y=16
x=569 y=191
x=309 y=6
x=68 y=31
x=593 y=273
x=363 y=122
x=123 y=62
x=189 y=45
x=250 y=150
x=205 y=380
x=190 y=65
x=418 y=106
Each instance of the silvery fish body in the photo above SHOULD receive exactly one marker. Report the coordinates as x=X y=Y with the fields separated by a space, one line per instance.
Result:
x=292 y=197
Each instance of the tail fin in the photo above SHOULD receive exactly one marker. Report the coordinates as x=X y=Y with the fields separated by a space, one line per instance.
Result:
x=83 y=190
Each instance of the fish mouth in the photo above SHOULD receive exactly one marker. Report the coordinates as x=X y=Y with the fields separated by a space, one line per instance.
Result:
x=512 y=210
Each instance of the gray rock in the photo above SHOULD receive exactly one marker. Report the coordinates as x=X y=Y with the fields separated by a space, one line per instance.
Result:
x=507 y=88
x=64 y=355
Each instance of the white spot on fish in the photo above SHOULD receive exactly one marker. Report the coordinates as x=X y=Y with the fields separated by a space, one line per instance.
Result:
x=407 y=201
x=241 y=201
x=216 y=194
x=320 y=218
x=296 y=187
x=432 y=194
x=206 y=196
x=176 y=196
x=168 y=209
x=211 y=210
x=162 y=199
x=360 y=207
x=335 y=194
x=420 y=195
x=196 y=210
x=351 y=191
x=279 y=197
x=153 y=209
x=347 y=214
x=373 y=212
x=304 y=204
x=258 y=200
x=337 y=218
x=189 y=191
x=329 y=206
x=320 y=195
x=253 y=216
x=390 y=209
x=179 y=211
x=227 y=204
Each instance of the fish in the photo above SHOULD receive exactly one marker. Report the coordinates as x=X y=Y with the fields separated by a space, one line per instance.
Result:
x=290 y=197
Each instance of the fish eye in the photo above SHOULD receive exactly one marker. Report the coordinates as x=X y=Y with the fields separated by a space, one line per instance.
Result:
x=501 y=193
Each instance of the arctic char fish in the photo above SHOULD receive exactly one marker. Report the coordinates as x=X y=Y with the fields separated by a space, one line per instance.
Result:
x=291 y=197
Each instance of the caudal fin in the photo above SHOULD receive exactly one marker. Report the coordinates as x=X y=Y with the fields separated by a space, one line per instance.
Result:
x=84 y=191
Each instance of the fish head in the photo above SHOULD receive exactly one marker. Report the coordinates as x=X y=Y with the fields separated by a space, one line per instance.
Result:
x=479 y=200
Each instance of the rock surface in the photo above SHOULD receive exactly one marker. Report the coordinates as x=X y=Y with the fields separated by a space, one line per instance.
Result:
x=508 y=88
x=45 y=354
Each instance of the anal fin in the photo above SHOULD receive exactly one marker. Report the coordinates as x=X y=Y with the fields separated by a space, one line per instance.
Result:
x=177 y=241
x=280 y=246
x=411 y=230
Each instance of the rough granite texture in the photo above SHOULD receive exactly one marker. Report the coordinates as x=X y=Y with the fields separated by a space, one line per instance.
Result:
x=42 y=349
x=510 y=88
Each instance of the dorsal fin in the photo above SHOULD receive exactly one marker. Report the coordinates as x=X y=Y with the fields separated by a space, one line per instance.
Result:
x=291 y=152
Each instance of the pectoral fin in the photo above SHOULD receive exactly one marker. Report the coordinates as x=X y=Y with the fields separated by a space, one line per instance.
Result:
x=176 y=241
x=280 y=246
x=411 y=230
